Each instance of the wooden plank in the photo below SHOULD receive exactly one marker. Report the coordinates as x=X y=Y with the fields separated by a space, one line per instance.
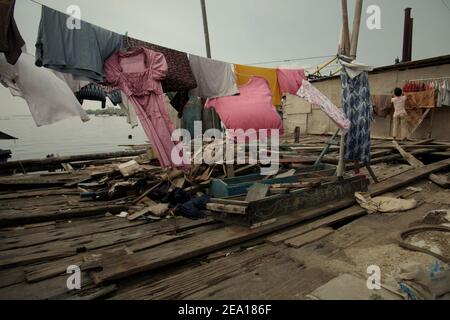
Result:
x=227 y=208
x=182 y=283
x=229 y=201
x=198 y=245
x=350 y=213
x=408 y=157
x=139 y=214
x=61 y=232
x=92 y=294
x=163 y=232
x=414 y=162
x=21 y=218
x=41 y=290
x=309 y=237
x=442 y=181
x=39 y=193
x=51 y=163
x=407 y=178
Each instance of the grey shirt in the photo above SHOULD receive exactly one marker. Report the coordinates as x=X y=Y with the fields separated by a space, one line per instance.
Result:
x=80 y=52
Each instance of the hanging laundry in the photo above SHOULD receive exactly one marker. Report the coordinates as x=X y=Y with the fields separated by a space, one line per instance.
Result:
x=422 y=99
x=80 y=52
x=245 y=73
x=416 y=86
x=114 y=96
x=74 y=84
x=445 y=94
x=358 y=109
x=214 y=78
x=443 y=89
x=138 y=73
x=179 y=76
x=49 y=98
x=11 y=41
x=252 y=109
x=193 y=112
x=290 y=80
x=314 y=96
x=382 y=105
x=173 y=114
x=130 y=109
x=92 y=92
x=179 y=101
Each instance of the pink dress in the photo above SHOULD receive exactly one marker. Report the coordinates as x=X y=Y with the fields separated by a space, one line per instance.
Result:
x=138 y=73
x=252 y=109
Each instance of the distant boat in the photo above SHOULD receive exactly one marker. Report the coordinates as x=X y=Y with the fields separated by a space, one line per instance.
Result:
x=5 y=154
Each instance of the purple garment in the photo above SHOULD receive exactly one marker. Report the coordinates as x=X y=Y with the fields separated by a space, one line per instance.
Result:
x=138 y=73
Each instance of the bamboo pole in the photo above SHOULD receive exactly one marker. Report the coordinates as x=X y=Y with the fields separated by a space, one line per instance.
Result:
x=346 y=30
x=356 y=28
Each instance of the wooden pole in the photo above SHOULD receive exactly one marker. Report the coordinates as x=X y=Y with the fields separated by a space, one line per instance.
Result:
x=206 y=28
x=406 y=36
x=209 y=116
x=341 y=165
x=348 y=50
x=356 y=27
x=346 y=31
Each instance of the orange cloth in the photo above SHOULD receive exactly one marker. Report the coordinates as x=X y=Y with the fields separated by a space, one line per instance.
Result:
x=422 y=99
x=245 y=73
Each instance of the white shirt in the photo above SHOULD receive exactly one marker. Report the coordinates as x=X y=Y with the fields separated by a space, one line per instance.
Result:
x=49 y=98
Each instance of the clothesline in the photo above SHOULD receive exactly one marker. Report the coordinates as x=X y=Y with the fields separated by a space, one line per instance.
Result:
x=290 y=60
x=429 y=79
x=250 y=64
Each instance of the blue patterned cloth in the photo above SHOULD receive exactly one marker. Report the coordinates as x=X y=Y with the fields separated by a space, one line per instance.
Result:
x=359 y=110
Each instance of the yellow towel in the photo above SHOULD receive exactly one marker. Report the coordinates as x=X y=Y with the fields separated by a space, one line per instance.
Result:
x=245 y=73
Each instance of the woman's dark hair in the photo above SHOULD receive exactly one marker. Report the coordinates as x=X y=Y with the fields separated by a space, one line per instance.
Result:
x=398 y=92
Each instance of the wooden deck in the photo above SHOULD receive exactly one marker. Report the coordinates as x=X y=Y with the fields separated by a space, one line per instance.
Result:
x=46 y=228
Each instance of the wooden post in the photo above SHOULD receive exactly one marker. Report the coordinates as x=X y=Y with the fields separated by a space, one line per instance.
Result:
x=346 y=31
x=297 y=134
x=208 y=116
x=407 y=36
x=206 y=28
x=341 y=165
x=356 y=27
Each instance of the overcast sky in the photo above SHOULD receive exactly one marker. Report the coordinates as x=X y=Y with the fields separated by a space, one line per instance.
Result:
x=253 y=31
